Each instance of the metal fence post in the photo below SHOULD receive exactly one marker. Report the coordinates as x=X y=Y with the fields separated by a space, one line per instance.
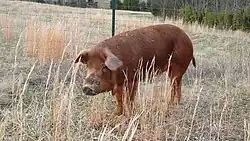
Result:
x=113 y=16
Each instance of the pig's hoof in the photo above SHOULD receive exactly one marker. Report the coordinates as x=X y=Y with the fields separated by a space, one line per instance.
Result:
x=118 y=111
x=115 y=115
x=176 y=101
x=114 y=119
x=171 y=103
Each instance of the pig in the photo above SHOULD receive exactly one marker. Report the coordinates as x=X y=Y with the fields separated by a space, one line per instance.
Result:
x=113 y=64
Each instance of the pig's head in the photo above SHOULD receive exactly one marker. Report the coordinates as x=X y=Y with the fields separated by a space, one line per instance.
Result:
x=101 y=67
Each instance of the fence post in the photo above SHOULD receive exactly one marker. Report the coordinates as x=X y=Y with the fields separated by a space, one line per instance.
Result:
x=113 y=16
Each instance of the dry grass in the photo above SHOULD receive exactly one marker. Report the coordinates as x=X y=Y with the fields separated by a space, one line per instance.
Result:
x=45 y=43
x=44 y=102
x=6 y=22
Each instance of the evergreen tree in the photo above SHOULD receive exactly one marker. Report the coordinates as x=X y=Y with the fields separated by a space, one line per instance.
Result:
x=228 y=19
x=210 y=18
x=131 y=5
x=119 y=4
x=238 y=19
x=246 y=17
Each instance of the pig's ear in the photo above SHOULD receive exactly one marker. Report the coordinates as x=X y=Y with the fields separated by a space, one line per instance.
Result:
x=111 y=61
x=82 y=57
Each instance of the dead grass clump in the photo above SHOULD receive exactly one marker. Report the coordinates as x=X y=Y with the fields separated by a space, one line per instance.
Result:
x=97 y=114
x=6 y=24
x=51 y=44
x=57 y=119
x=31 y=40
x=53 y=112
x=45 y=43
x=96 y=118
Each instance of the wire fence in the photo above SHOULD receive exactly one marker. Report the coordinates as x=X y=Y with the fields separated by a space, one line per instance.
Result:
x=34 y=31
x=41 y=102
x=50 y=30
x=44 y=32
x=85 y=27
x=43 y=24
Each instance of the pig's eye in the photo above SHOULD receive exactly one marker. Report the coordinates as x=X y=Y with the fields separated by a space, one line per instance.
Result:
x=105 y=69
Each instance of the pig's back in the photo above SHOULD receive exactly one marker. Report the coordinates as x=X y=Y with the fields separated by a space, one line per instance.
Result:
x=131 y=46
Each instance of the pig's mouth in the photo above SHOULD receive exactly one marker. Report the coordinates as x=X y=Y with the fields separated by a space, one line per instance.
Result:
x=88 y=90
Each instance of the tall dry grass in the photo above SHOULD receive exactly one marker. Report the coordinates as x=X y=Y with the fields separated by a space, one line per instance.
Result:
x=45 y=42
x=6 y=23
x=48 y=105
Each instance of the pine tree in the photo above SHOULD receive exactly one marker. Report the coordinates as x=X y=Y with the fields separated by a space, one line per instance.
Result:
x=228 y=19
x=210 y=18
x=238 y=19
x=131 y=5
x=246 y=17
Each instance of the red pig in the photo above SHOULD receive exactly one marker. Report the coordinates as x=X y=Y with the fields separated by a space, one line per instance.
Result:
x=114 y=62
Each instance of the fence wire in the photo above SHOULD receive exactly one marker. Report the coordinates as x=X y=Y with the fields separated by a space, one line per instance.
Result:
x=39 y=100
x=83 y=27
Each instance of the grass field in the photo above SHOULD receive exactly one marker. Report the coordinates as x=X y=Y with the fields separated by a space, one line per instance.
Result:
x=40 y=97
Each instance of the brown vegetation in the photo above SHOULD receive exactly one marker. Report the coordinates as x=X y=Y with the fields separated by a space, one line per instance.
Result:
x=6 y=22
x=45 y=43
x=48 y=105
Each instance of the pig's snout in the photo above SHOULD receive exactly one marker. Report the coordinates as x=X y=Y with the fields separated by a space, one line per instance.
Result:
x=89 y=91
x=92 y=84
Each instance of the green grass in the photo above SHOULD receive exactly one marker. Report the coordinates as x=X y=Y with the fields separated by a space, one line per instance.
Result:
x=43 y=100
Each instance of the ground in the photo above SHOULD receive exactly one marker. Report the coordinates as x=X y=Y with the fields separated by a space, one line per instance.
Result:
x=41 y=99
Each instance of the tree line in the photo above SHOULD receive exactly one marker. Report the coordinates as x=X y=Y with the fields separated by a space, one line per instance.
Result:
x=223 y=14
